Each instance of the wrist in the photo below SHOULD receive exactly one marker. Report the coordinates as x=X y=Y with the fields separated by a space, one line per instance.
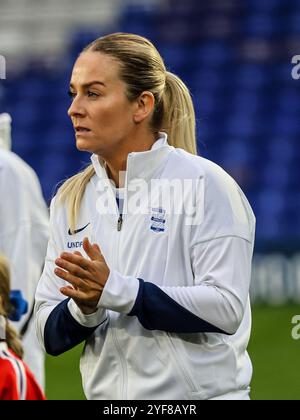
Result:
x=87 y=310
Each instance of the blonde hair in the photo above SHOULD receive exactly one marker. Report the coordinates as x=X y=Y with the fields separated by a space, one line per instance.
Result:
x=142 y=69
x=12 y=337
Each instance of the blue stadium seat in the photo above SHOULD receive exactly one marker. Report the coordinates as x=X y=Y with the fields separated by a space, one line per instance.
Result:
x=264 y=6
x=175 y=57
x=214 y=53
x=140 y=19
x=264 y=25
x=251 y=76
x=294 y=23
x=270 y=207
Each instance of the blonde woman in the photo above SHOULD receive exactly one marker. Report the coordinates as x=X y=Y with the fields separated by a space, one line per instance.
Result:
x=158 y=291
x=16 y=380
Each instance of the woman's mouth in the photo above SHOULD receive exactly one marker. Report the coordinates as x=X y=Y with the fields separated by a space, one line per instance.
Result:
x=81 y=130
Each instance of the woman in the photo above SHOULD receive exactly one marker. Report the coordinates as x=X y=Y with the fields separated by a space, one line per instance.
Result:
x=161 y=297
x=16 y=380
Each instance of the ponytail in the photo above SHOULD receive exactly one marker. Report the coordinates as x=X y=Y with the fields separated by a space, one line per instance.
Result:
x=11 y=336
x=13 y=342
x=71 y=193
x=178 y=119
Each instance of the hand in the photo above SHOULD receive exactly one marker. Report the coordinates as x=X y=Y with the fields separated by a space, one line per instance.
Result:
x=86 y=276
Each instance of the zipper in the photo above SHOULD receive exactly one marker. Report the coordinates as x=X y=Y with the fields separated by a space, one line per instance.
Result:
x=118 y=347
x=120 y=223
x=124 y=374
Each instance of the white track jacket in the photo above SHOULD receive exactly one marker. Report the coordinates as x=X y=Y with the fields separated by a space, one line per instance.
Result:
x=174 y=320
x=24 y=233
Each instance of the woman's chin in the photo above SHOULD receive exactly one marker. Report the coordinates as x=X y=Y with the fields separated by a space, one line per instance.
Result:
x=84 y=146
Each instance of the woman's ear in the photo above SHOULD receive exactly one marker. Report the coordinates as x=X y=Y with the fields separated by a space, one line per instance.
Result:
x=145 y=107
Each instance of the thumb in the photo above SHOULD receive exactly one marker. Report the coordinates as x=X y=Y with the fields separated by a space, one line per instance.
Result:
x=93 y=251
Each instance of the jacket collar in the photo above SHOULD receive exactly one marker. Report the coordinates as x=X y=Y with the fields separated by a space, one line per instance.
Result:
x=3 y=346
x=140 y=165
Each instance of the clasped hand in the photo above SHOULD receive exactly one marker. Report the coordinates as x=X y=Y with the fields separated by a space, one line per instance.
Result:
x=87 y=277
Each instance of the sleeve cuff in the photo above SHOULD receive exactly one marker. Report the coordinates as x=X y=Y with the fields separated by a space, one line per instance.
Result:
x=120 y=293
x=90 y=321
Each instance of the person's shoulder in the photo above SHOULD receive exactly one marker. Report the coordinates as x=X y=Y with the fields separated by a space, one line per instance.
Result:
x=8 y=380
x=7 y=360
x=59 y=204
x=7 y=159
x=198 y=166
x=226 y=208
x=13 y=165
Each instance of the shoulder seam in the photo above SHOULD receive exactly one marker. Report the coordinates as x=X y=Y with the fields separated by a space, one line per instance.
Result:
x=220 y=237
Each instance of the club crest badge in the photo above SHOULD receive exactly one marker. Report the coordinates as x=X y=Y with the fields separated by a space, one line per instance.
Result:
x=158 y=220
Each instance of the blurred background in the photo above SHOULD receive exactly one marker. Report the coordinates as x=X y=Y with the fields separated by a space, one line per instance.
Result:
x=236 y=58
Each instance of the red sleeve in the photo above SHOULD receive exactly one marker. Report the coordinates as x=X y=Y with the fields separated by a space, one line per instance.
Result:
x=16 y=380
x=33 y=391
x=8 y=381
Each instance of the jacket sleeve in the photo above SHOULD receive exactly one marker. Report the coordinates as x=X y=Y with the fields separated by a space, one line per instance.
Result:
x=221 y=248
x=8 y=381
x=24 y=226
x=60 y=324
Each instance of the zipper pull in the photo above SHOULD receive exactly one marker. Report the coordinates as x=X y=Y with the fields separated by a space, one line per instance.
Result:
x=120 y=222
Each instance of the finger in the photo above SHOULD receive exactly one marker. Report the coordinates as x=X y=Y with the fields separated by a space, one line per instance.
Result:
x=76 y=259
x=97 y=248
x=71 y=293
x=78 y=253
x=91 y=251
x=73 y=269
x=73 y=280
x=69 y=287
x=72 y=287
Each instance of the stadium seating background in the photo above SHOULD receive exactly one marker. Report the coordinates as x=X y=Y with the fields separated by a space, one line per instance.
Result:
x=235 y=57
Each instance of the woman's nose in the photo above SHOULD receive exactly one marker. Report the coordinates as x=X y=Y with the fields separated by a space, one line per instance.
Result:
x=76 y=108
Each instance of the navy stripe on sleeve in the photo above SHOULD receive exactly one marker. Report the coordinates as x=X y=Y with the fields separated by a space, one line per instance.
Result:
x=62 y=331
x=157 y=311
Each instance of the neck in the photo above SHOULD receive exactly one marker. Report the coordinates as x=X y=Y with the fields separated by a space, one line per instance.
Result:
x=116 y=165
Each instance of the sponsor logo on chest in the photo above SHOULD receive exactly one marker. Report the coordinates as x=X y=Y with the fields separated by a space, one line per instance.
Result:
x=74 y=245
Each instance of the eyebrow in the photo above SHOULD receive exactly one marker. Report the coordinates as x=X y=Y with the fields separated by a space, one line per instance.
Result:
x=86 y=85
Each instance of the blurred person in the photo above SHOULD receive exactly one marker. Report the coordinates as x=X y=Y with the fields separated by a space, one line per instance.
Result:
x=161 y=301
x=24 y=230
x=16 y=380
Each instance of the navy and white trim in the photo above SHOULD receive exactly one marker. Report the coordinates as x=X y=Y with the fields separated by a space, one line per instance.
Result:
x=63 y=332
x=18 y=367
x=157 y=311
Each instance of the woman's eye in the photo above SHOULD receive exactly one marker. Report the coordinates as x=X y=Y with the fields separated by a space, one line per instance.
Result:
x=92 y=94
x=71 y=94
x=89 y=94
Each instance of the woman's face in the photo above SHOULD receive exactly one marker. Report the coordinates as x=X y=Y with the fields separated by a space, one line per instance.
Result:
x=101 y=114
